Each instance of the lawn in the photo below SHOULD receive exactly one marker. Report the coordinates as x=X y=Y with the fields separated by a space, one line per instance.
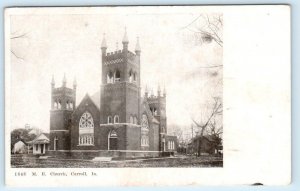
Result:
x=23 y=161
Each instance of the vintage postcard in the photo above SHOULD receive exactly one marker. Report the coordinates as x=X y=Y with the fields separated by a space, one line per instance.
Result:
x=147 y=95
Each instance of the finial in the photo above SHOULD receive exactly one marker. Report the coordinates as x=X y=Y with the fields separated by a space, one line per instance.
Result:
x=103 y=44
x=158 y=90
x=64 y=80
x=165 y=91
x=74 y=82
x=117 y=44
x=52 y=81
x=125 y=38
x=137 y=46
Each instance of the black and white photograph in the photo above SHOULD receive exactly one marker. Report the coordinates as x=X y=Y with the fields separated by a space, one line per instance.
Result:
x=120 y=93
x=140 y=90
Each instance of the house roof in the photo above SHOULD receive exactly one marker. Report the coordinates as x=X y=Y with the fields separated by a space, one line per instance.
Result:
x=43 y=138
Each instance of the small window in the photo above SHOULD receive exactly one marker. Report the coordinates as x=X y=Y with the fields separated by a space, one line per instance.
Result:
x=110 y=78
x=67 y=105
x=55 y=105
x=59 y=104
x=130 y=76
x=131 y=119
x=109 y=120
x=116 y=119
x=36 y=147
x=134 y=120
x=71 y=105
x=117 y=76
x=134 y=77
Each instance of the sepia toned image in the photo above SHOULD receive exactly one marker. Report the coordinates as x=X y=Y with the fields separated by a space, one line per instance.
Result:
x=147 y=96
x=121 y=93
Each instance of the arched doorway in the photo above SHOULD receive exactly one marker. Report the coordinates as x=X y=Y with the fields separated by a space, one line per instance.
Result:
x=112 y=140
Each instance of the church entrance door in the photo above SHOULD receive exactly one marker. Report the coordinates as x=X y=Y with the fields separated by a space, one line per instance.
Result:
x=113 y=140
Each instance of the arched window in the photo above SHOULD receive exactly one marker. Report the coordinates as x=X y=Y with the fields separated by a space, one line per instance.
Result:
x=145 y=140
x=55 y=105
x=116 y=119
x=131 y=119
x=71 y=105
x=109 y=119
x=86 y=129
x=134 y=77
x=67 y=105
x=117 y=76
x=130 y=76
x=144 y=122
x=110 y=78
x=134 y=120
x=59 y=105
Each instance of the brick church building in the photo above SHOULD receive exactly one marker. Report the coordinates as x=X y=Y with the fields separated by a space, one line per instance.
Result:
x=116 y=121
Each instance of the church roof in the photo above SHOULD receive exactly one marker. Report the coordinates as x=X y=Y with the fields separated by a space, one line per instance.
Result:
x=96 y=99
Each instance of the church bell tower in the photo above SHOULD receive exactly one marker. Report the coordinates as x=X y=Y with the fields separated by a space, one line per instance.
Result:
x=120 y=89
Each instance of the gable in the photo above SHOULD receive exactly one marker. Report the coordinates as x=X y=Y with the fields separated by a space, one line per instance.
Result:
x=42 y=137
x=86 y=105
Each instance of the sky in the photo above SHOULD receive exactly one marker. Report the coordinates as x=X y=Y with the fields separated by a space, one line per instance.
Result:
x=55 y=44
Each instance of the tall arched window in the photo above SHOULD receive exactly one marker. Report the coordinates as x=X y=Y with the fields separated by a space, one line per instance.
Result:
x=134 y=77
x=70 y=105
x=135 y=120
x=144 y=122
x=67 y=105
x=144 y=130
x=116 y=119
x=55 y=105
x=110 y=78
x=109 y=119
x=59 y=105
x=131 y=119
x=86 y=129
x=117 y=76
x=130 y=76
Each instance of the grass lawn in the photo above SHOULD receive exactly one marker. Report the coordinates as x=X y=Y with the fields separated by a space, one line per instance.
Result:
x=23 y=161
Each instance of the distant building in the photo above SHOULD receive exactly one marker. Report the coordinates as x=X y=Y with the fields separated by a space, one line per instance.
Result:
x=206 y=145
x=117 y=121
x=20 y=147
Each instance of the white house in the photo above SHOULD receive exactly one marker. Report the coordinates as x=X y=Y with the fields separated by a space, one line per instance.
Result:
x=20 y=147
x=40 y=144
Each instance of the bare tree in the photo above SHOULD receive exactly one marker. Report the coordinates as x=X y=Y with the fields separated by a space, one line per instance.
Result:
x=217 y=109
x=210 y=125
x=207 y=28
x=14 y=37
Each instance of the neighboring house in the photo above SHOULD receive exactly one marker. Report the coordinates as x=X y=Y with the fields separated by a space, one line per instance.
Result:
x=20 y=147
x=34 y=131
x=40 y=144
x=204 y=144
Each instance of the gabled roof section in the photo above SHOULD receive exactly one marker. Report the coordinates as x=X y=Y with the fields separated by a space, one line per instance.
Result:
x=96 y=99
x=87 y=97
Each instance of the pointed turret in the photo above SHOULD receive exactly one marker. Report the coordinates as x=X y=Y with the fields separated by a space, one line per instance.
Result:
x=158 y=90
x=146 y=92
x=64 y=80
x=137 y=47
x=103 y=45
x=125 y=40
x=74 y=83
x=52 y=82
